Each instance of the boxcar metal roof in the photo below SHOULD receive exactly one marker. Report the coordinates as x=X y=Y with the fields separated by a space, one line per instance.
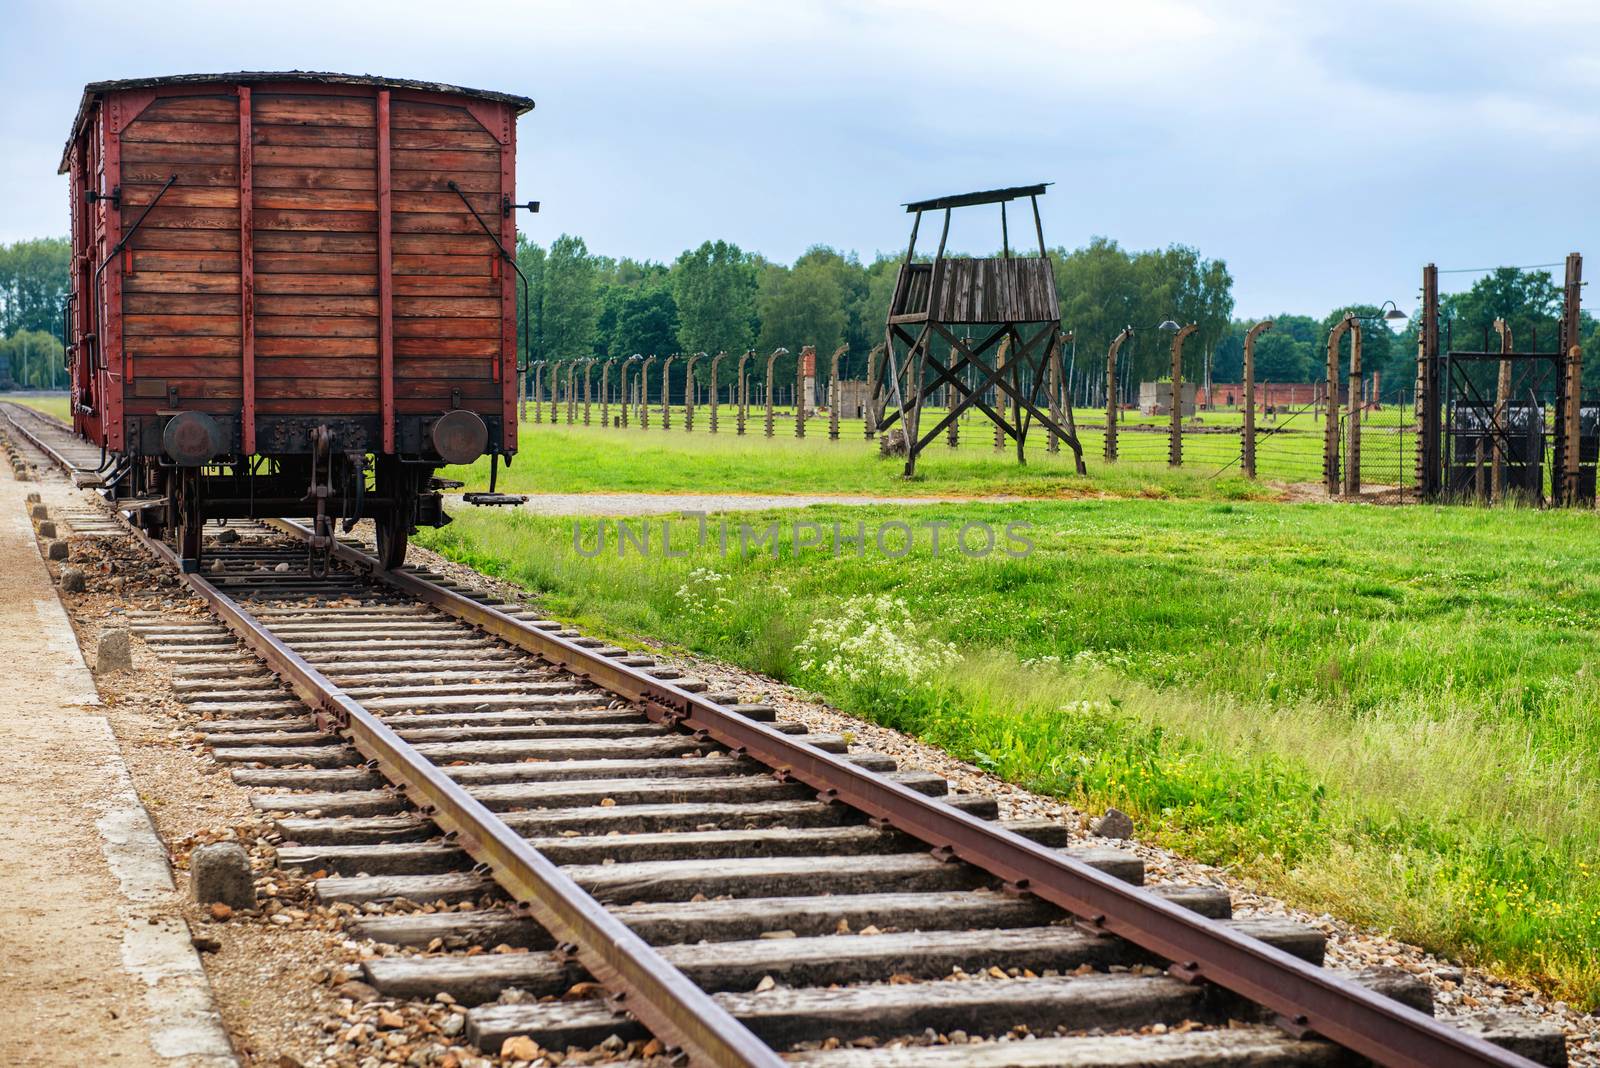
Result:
x=522 y=104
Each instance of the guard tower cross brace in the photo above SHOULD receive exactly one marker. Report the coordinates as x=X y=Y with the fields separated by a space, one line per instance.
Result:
x=1004 y=298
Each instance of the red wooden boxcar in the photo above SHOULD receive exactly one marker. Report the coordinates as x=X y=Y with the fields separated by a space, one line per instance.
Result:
x=291 y=294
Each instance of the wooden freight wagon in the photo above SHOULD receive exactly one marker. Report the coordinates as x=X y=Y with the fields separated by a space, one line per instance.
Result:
x=292 y=295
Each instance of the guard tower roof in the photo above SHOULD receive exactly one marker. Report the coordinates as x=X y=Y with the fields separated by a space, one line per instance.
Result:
x=987 y=196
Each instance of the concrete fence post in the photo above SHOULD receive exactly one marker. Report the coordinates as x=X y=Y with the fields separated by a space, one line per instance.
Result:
x=742 y=402
x=644 y=392
x=834 y=400
x=1352 y=465
x=1113 y=402
x=1175 y=428
x=1330 y=428
x=1001 y=400
x=874 y=369
x=666 y=392
x=588 y=388
x=716 y=398
x=1247 y=443
x=771 y=360
x=1502 y=395
x=688 y=393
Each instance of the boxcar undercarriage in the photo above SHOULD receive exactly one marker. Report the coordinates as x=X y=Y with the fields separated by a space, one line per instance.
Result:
x=334 y=481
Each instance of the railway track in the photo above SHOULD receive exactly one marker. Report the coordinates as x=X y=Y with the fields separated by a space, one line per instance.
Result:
x=668 y=873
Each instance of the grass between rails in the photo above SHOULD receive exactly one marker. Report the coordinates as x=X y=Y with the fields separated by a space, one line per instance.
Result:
x=1386 y=713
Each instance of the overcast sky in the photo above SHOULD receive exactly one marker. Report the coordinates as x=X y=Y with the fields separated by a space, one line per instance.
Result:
x=1326 y=150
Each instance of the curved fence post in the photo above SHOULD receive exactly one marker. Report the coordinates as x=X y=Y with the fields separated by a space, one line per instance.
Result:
x=1113 y=402
x=833 y=393
x=688 y=392
x=1502 y=396
x=554 y=385
x=742 y=408
x=1330 y=427
x=537 y=371
x=666 y=392
x=1247 y=442
x=770 y=361
x=644 y=392
x=1002 y=400
x=1352 y=465
x=626 y=399
x=1055 y=393
x=1175 y=442
x=874 y=369
x=524 y=383
x=716 y=400
x=605 y=390
x=588 y=390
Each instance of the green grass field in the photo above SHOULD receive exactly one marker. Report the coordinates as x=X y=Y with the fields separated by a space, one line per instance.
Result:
x=1388 y=713
x=573 y=457
x=578 y=458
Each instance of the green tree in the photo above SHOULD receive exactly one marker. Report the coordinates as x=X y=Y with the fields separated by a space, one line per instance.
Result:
x=1281 y=357
x=569 y=308
x=715 y=290
x=34 y=358
x=530 y=258
x=34 y=282
x=646 y=321
x=805 y=305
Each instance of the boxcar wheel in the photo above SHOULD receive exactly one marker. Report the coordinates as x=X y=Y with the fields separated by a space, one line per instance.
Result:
x=392 y=532
x=393 y=524
x=186 y=519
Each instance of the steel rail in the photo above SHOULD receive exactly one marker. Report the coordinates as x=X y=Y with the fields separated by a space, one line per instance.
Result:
x=43 y=446
x=661 y=997
x=1307 y=999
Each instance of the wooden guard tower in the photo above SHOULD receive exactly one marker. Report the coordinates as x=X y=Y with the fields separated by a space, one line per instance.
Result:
x=929 y=350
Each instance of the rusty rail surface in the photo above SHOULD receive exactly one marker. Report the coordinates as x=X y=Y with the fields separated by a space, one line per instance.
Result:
x=1307 y=999
x=90 y=478
x=656 y=993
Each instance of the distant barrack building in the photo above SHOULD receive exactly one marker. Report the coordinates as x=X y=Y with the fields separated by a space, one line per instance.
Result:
x=1268 y=395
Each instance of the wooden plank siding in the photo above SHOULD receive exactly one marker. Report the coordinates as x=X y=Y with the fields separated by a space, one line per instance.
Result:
x=1021 y=289
x=326 y=235
x=180 y=273
x=447 y=274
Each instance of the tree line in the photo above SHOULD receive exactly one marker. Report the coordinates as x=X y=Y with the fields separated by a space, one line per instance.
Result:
x=34 y=280
x=719 y=297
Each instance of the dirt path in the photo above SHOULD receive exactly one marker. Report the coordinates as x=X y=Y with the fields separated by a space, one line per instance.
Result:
x=98 y=966
x=663 y=503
